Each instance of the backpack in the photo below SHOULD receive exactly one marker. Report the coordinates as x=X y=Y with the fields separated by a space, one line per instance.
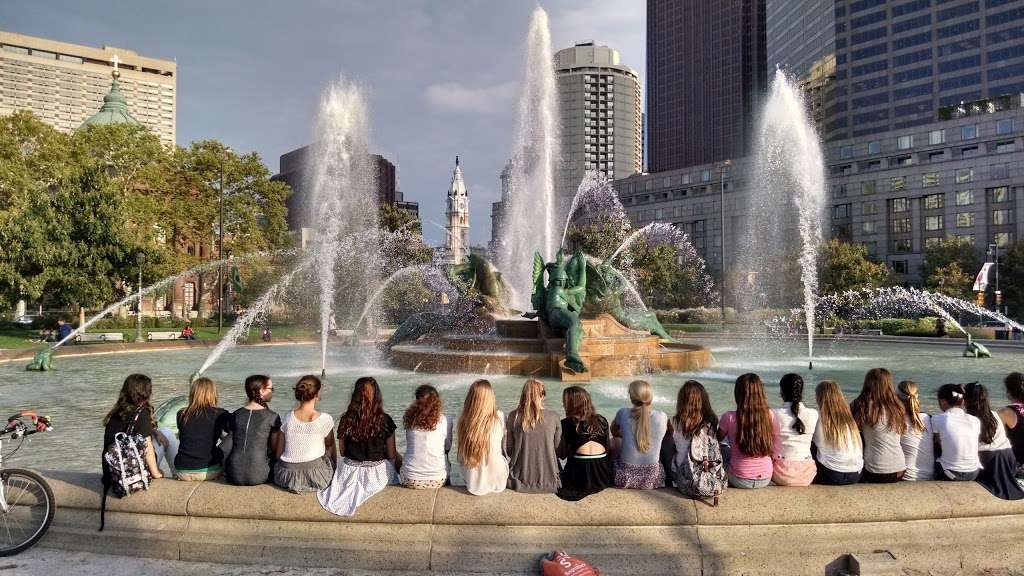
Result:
x=124 y=466
x=702 y=473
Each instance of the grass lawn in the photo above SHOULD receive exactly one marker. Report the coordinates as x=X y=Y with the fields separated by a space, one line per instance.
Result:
x=708 y=327
x=16 y=337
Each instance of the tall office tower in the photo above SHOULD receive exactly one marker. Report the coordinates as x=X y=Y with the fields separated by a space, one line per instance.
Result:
x=64 y=84
x=601 y=110
x=456 y=242
x=899 y=62
x=706 y=72
x=800 y=34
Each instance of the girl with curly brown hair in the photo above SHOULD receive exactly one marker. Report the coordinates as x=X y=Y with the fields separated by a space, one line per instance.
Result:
x=366 y=444
x=428 y=439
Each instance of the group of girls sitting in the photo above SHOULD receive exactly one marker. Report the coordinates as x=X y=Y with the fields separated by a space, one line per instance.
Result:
x=882 y=436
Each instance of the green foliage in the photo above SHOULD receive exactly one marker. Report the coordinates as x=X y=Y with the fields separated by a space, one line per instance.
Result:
x=77 y=209
x=847 y=267
x=598 y=237
x=949 y=268
x=899 y=326
x=394 y=219
x=1011 y=278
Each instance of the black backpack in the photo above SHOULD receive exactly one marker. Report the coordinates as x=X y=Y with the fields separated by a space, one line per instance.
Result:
x=124 y=466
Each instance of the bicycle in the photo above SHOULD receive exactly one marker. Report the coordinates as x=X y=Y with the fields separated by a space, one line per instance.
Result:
x=26 y=501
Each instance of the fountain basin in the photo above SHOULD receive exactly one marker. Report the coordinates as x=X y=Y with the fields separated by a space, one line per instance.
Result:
x=528 y=348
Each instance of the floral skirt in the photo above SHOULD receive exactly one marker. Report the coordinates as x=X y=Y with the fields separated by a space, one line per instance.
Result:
x=639 y=477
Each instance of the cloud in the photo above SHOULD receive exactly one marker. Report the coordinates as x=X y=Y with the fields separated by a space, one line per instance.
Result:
x=456 y=97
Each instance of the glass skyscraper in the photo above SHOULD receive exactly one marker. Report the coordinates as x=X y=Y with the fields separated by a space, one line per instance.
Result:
x=800 y=33
x=899 y=61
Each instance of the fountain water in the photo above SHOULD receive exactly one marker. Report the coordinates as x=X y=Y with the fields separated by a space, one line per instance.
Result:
x=344 y=203
x=533 y=211
x=433 y=278
x=256 y=311
x=790 y=176
x=598 y=199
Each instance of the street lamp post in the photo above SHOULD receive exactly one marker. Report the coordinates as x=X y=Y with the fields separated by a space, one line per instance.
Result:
x=140 y=258
x=993 y=250
x=220 y=248
x=721 y=231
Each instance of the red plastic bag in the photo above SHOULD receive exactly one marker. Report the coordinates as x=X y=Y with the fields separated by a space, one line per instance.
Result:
x=558 y=563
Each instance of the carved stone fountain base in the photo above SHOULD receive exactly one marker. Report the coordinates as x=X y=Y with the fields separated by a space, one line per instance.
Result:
x=529 y=348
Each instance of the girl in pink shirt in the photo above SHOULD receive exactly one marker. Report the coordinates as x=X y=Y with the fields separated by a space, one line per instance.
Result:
x=750 y=432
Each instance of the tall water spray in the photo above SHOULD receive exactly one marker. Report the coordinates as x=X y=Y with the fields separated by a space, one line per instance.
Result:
x=788 y=201
x=533 y=214
x=344 y=208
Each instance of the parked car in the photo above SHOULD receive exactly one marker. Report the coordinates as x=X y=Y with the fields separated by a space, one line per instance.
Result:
x=28 y=319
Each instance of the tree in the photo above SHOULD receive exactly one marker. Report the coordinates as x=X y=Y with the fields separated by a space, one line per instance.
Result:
x=847 y=267
x=394 y=219
x=940 y=275
x=1011 y=278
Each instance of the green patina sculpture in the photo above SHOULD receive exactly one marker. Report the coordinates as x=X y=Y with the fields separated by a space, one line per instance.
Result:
x=560 y=302
x=606 y=293
x=975 y=350
x=42 y=362
x=482 y=281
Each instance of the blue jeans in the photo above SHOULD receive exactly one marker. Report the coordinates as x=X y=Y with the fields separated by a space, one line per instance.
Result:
x=951 y=475
x=737 y=482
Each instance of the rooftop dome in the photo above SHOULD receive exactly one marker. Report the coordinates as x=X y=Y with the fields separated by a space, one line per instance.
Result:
x=114 y=109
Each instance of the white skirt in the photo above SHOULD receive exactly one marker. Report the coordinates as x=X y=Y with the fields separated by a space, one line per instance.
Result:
x=354 y=483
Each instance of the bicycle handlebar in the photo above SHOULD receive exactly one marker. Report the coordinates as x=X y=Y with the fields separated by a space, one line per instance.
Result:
x=17 y=429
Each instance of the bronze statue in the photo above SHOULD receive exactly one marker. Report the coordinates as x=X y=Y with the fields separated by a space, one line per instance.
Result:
x=42 y=362
x=561 y=301
x=606 y=293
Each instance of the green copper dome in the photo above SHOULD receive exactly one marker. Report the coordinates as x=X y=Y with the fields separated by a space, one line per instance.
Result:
x=114 y=109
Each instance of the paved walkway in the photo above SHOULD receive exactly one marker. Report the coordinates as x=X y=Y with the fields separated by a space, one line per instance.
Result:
x=49 y=562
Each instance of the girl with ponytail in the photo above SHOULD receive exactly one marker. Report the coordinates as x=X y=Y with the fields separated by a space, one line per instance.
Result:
x=638 y=433
x=255 y=435
x=916 y=441
x=956 y=436
x=428 y=439
x=792 y=463
x=531 y=443
x=750 y=432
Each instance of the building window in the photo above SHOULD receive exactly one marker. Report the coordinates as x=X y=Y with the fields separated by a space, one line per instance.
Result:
x=1000 y=194
x=936 y=156
x=868 y=208
x=965 y=238
x=933 y=223
x=867 y=187
x=999 y=171
x=905 y=142
x=1004 y=126
x=705 y=176
x=899 y=266
x=969 y=132
x=901 y=226
x=838 y=190
x=845 y=151
x=930 y=179
x=964 y=175
x=872 y=165
x=1002 y=239
x=965 y=197
x=1002 y=217
x=868 y=228
x=937 y=137
x=899 y=205
x=840 y=211
x=933 y=201
x=901 y=246
x=897 y=183
x=903 y=160
x=1002 y=147
x=874 y=147
x=964 y=219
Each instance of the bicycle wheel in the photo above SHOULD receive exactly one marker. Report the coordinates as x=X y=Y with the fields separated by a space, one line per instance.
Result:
x=30 y=508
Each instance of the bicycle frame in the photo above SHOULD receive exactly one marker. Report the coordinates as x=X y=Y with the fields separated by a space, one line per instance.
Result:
x=3 y=496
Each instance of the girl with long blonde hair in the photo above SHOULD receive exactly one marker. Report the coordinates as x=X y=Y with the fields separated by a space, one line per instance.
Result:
x=749 y=431
x=531 y=442
x=201 y=425
x=882 y=420
x=917 y=440
x=638 y=432
x=481 y=430
x=836 y=438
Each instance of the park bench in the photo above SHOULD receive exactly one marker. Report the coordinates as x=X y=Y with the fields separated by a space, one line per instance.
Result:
x=163 y=336
x=864 y=332
x=100 y=337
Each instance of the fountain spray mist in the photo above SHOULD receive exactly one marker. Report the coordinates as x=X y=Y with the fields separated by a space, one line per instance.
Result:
x=344 y=204
x=533 y=213
x=790 y=174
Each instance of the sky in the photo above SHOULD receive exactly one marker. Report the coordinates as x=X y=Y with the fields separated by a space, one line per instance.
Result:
x=442 y=76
